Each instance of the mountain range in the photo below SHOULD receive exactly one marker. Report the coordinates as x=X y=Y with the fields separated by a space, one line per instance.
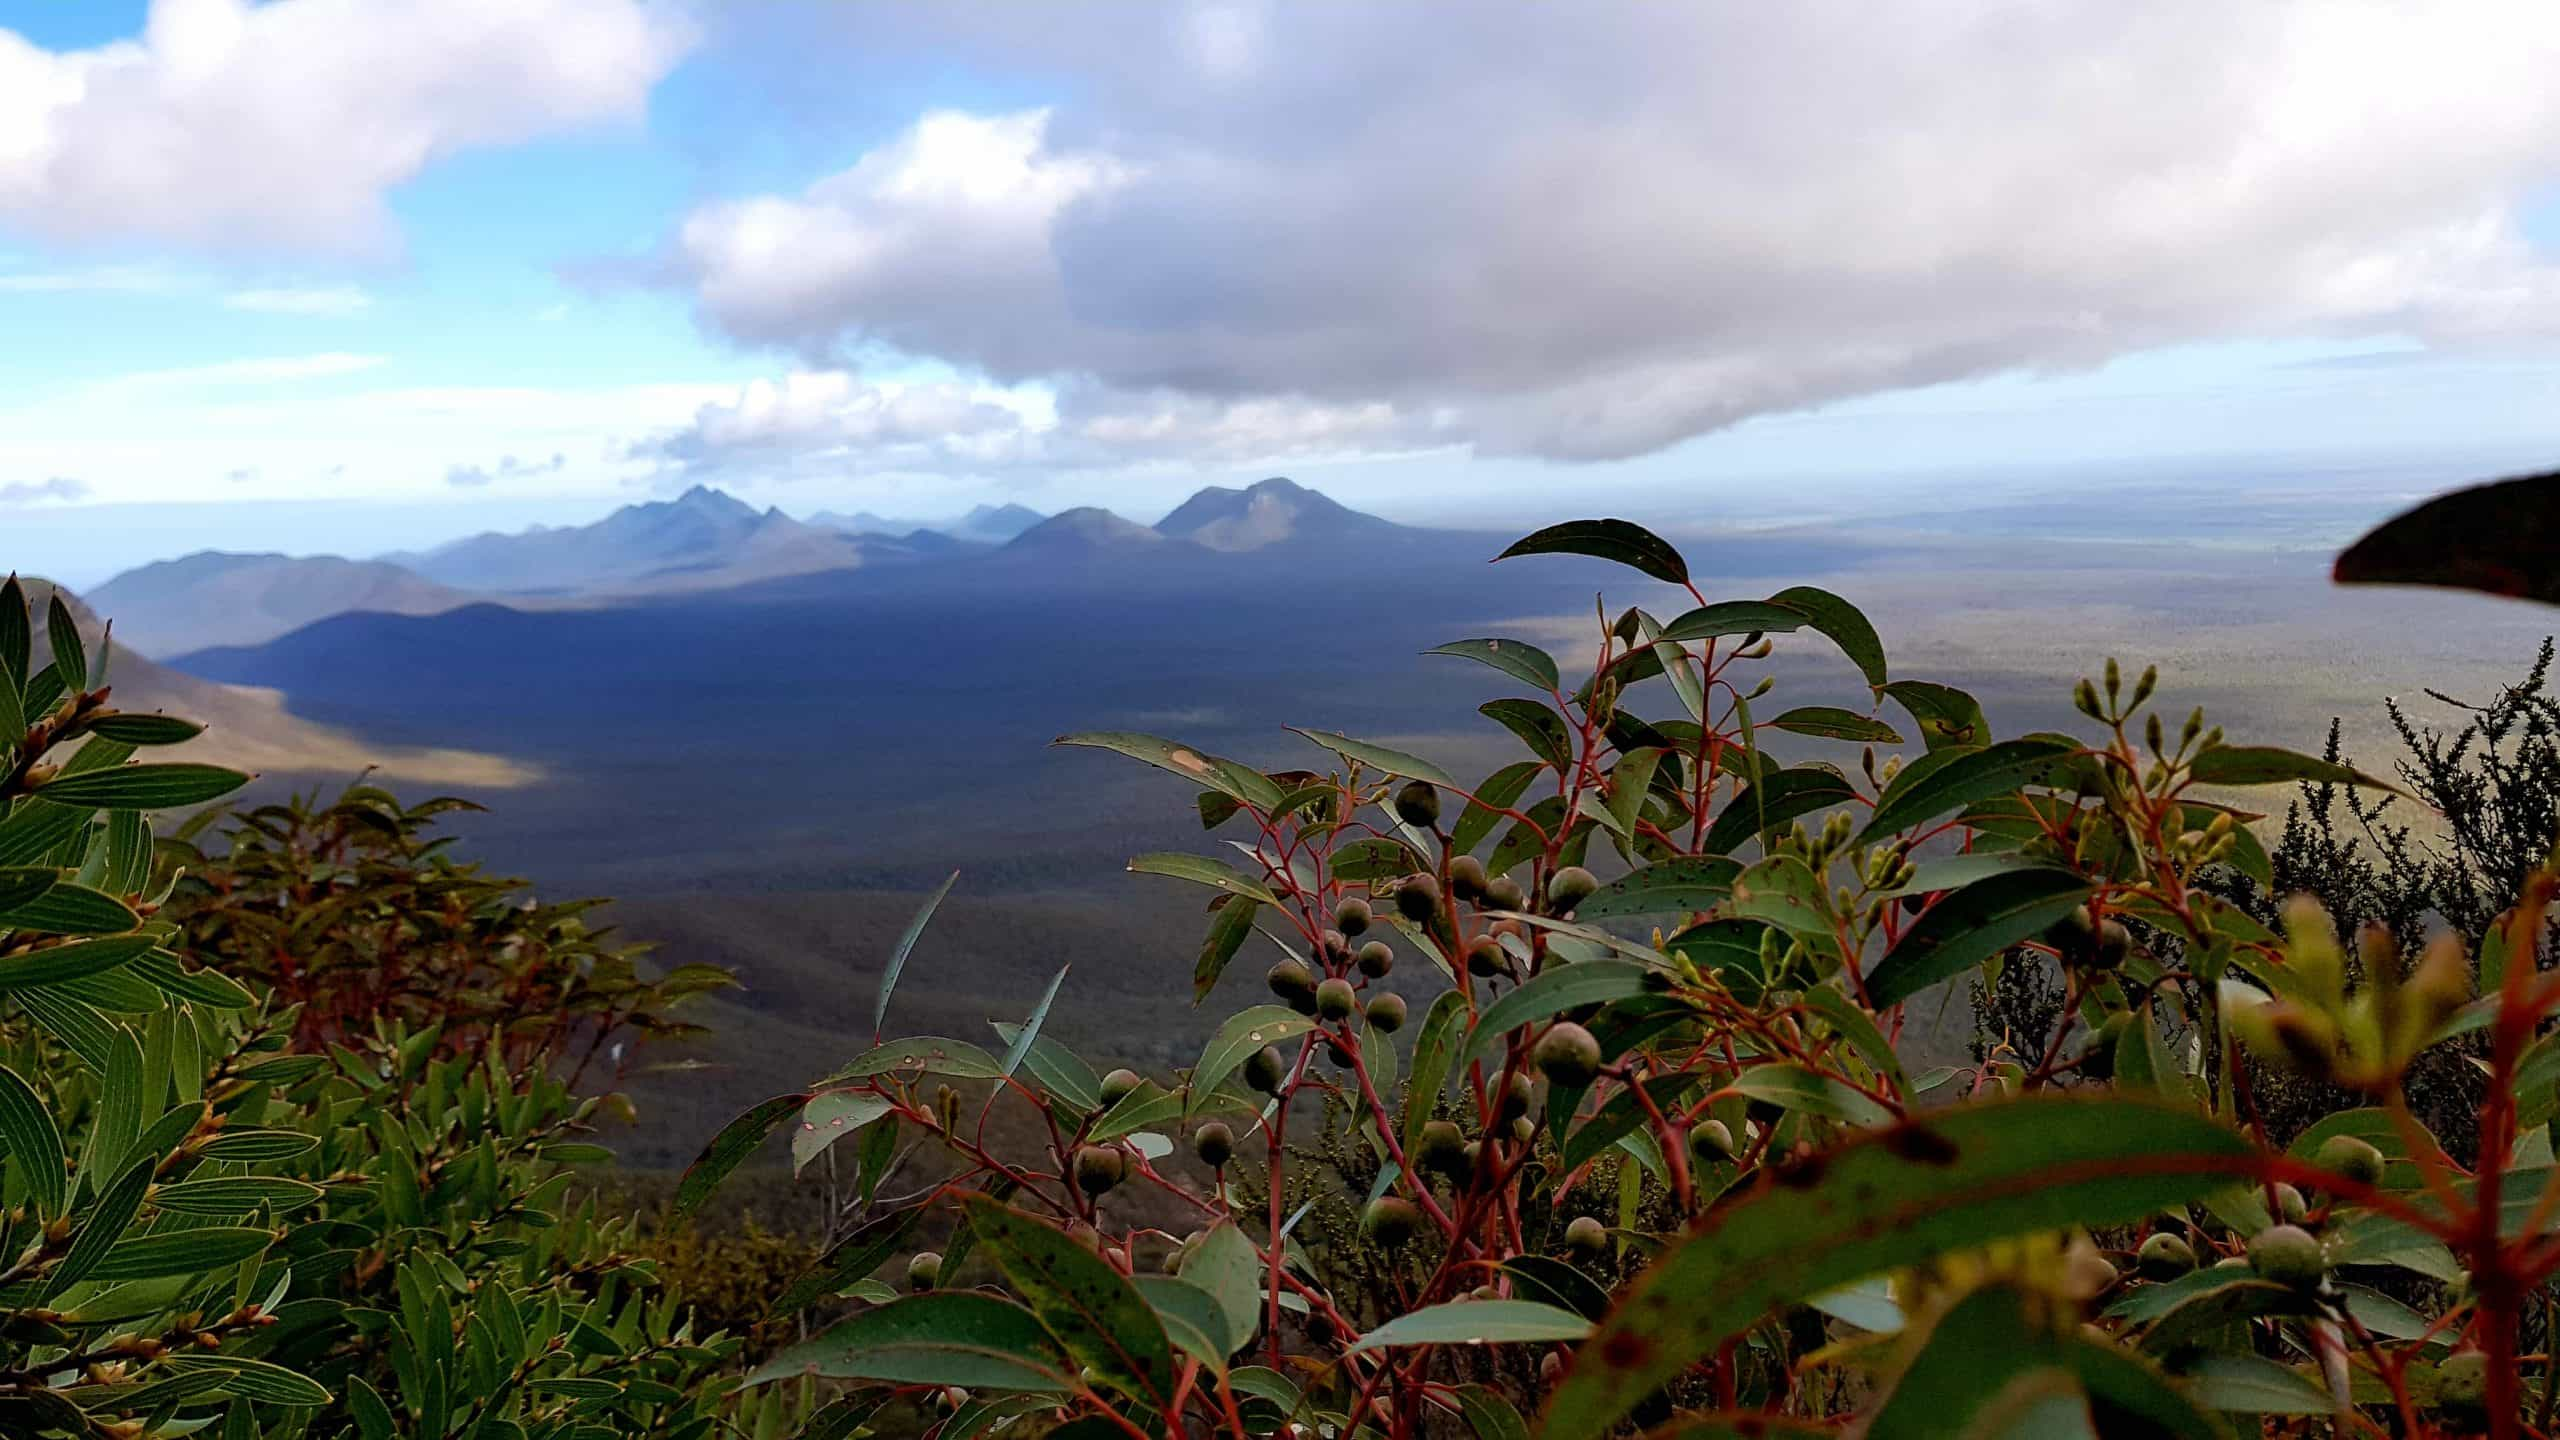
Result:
x=702 y=540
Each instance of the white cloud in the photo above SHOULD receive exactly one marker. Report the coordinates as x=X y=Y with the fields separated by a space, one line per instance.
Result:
x=1589 y=232
x=473 y=477
x=93 y=279
x=334 y=301
x=283 y=124
x=265 y=370
x=29 y=492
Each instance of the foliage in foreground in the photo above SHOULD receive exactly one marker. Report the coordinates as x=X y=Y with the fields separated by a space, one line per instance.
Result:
x=1651 y=1157
x=233 y=1200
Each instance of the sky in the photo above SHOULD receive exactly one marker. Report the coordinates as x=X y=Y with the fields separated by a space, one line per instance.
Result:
x=356 y=275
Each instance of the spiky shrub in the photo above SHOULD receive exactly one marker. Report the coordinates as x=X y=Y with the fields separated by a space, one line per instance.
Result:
x=206 y=1229
x=1650 y=1149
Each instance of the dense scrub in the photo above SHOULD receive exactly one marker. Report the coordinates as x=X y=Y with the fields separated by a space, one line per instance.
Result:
x=1650 y=1158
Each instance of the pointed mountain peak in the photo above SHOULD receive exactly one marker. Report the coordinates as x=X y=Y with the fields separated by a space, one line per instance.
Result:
x=1265 y=513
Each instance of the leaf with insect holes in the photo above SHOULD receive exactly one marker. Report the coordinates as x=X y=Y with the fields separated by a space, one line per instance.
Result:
x=1959 y=1179
x=1623 y=541
x=1679 y=886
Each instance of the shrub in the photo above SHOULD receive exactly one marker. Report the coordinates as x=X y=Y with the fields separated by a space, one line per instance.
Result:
x=1793 y=1231
x=224 y=1216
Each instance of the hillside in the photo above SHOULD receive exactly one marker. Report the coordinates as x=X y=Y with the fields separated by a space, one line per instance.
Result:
x=1273 y=512
x=219 y=598
x=702 y=539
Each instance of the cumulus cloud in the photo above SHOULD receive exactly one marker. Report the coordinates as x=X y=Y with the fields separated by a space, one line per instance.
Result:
x=283 y=124
x=1591 y=232
x=472 y=477
x=28 y=492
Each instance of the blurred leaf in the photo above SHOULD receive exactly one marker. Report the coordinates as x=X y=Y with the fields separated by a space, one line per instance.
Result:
x=17 y=634
x=1960 y=1179
x=2496 y=538
x=1024 y=1038
x=906 y=944
x=67 y=909
x=1476 y=1322
x=735 y=1142
x=1201 y=870
x=1844 y=623
x=1830 y=722
x=144 y=787
x=1922 y=793
x=1518 y=659
x=853 y=1257
x=1552 y=1282
x=1970 y=926
x=1980 y=1350
x=1619 y=540
x=948 y=1337
x=1092 y=1310
x=145 y=729
x=2254 y=1385
x=70 y=960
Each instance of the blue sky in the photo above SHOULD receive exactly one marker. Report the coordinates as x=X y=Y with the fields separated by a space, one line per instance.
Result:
x=357 y=274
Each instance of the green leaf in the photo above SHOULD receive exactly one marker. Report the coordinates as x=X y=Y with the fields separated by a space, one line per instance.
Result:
x=1380 y=758
x=72 y=960
x=2143 y=1061
x=259 y=1147
x=1775 y=801
x=2496 y=538
x=1501 y=788
x=1518 y=659
x=1970 y=926
x=1243 y=1033
x=853 y=1257
x=181 y=1252
x=104 y=1227
x=1055 y=1068
x=2271 y=765
x=1830 y=722
x=1619 y=540
x=68 y=909
x=1923 y=793
x=830 y=1116
x=948 y=1337
x=736 y=1141
x=2255 y=1385
x=1225 y=1264
x=1844 y=623
x=1782 y=891
x=1435 y=1054
x=1201 y=870
x=1684 y=885
x=1092 y=1310
x=144 y=787
x=1229 y=925
x=1790 y=1086
x=1237 y=782
x=145 y=729
x=230 y=1195
x=1476 y=1322
x=907 y=943
x=1734 y=617
x=1191 y=1320
x=253 y=1379
x=1024 y=1038
x=921 y=1055
x=33 y=1143
x=1538 y=726
x=1979 y=1352
x=64 y=638
x=1559 y=988
x=1960 y=1179
x=20 y=884
x=1553 y=1282
x=1854 y=1023
x=17 y=634
x=1946 y=716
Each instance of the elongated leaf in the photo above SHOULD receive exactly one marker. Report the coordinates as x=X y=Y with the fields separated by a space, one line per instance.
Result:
x=145 y=729
x=181 y=1252
x=1225 y=1265
x=853 y=1257
x=230 y=1195
x=103 y=1227
x=1055 y=1068
x=1981 y=1348
x=1775 y=801
x=1237 y=782
x=1792 y=1087
x=1623 y=541
x=1958 y=1180
x=948 y=1337
x=2496 y=538
x=1502 y=787
x=1946 y=716
x=253 y=1379
x=68 y=909
x=259 y=1147
x=1191 y=1319
x=71 y=960
x=64 y=638
x=1029 y=1034
x=1559 y=988
x=829 y=1117
x=1242 y=1034
x=17 y=633
x=2270 y=765
x=736 y=1141
x=34 y=828
x=1229 y=925
x=145 y=787
x=1435 y=1054
x=1518 y=659
x=921 y=1055
x=1970 y=926
x=1476 y=1322
x=1852 y=1022
x=1782 y=891
x=1201 y=870
x=1845 y=624
x=1538 y=726
x=33 y=1142
x=1684 y=885
x=1380 y=758
x=1090 y=1309
x=1734 y=617
x=1918 y=795
x=1830 y=722
x=906 y=944
x=20 y=884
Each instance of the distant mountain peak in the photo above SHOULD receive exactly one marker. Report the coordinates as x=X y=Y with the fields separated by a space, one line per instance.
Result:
x=1266 y=513
x=1086 y=527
